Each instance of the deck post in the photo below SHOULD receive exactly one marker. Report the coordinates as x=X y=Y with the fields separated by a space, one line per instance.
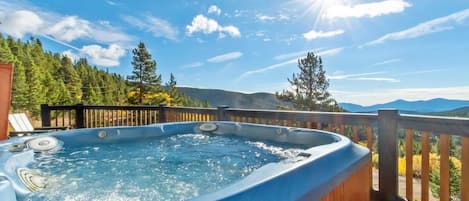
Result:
x=45 y=115
x=80 y=115
x=221 y=113
x=162 y=113
x=388 y=153
x=6 y=85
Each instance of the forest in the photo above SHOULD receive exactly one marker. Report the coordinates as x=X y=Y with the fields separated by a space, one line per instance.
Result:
x=42 y=76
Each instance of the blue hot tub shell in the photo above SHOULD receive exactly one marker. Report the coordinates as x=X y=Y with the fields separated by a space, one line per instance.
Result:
x=312 y=174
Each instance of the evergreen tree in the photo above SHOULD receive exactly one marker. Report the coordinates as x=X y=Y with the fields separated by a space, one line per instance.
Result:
x=51 y=89
x=35 y=92
x=172 y=91
x=454 y=182
x=71 y=79
x=46 y=77
x=144 y=76
x=309 y=87
x=19 y=97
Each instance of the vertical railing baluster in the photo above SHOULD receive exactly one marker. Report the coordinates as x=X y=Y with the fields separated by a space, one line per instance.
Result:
x=409 y=173
x=388 y=153
x=355 y=134
x=369 y=145
x=444 y=166
x=425 y=177
x=45 y=115
x=465 y=168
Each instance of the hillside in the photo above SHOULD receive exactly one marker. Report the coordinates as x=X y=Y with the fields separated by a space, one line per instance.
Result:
x=459 y=112
x=217 y=97
x=422 y=106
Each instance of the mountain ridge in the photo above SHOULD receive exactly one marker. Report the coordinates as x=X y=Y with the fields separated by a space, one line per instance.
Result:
x=264 y=100
x=419 y=106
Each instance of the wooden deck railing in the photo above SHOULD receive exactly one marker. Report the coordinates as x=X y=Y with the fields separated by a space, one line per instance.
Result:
x=383 y=128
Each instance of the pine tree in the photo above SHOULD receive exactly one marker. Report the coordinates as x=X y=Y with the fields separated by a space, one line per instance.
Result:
x=172 y=91
x=144 y=76
x=71 y=79
x=35 y=92
x=309 y=87
x=19 y=99
x=51 y=89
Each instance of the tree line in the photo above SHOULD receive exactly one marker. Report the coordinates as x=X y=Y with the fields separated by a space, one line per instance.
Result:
x=42 y=76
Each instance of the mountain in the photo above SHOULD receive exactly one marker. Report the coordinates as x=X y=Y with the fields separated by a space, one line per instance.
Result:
x=217 y=97
x=459 y=112
x=422 y=106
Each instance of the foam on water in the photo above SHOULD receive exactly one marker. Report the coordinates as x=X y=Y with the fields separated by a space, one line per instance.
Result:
x=167 y=168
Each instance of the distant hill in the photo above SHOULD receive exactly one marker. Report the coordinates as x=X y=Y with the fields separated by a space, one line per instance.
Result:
x=459 y=112
x=425 y=106
x=217 y=97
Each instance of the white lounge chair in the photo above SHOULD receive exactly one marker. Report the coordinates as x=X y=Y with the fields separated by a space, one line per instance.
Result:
x=21 y=125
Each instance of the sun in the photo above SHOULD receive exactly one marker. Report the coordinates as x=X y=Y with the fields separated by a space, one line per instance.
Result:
x=321 y=12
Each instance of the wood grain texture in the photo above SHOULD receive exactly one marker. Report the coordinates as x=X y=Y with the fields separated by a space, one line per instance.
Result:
x=6 y=78
x=465 y=169
x=425 y=165
x=354 y=188
x=409 y=173
x=444 y=167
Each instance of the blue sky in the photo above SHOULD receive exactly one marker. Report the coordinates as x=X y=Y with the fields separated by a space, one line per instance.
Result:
x=373 y=51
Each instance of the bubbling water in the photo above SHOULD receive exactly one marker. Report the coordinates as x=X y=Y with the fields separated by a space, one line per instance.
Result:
x=177 y=167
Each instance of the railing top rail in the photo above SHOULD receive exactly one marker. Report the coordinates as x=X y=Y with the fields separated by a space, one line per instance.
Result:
x=304 y=112
x=190 y=108
x=61 y=107
x=436 y=124
x=104 y=107
x=323 y=117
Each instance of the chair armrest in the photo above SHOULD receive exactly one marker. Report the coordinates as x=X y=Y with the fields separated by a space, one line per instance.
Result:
x=52 y=128
x=21 y=133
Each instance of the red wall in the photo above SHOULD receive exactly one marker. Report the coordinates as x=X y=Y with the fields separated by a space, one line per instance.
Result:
x=6 y=78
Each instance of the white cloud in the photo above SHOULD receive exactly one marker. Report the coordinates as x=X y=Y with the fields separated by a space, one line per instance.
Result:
x=200 y=23
x=193 y=65
x=362 y=77
x=383 y=79
x=21 y=22
x=69 y=29
x=225 y=57
x=311 y=35
x=328 y=52
x=411 y=94
x=112 y=3
x=341 y=76
x=17 y=22
x=367 y=9
x=97 y=54
x=263 y=17
x=20 y=18
x=436 y=25
x=295 y=54
x=319 y=51
x=158 y=27
x=267 y=39
x=386 y=62
x=267 y=68
x=214 y=9
x=272 y=18
x=103 y=56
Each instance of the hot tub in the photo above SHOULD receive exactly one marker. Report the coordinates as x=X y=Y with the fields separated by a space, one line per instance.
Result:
x=184 y=161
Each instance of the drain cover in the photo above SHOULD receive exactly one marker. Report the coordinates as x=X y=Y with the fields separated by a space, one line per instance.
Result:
x=208 y=127
x=41 y=144
x=32 y=180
